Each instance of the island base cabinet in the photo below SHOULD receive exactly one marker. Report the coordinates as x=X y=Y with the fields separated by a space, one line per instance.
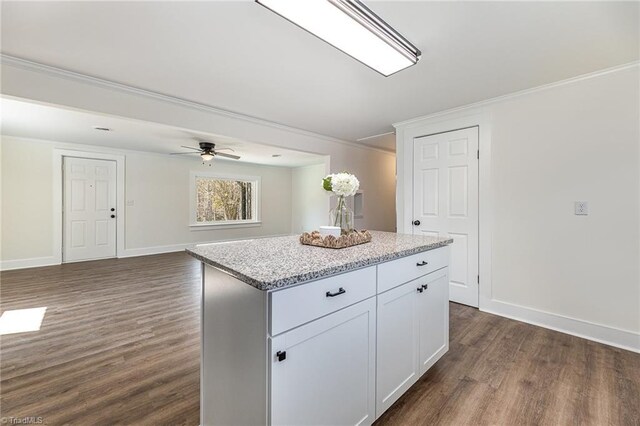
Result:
x=433 y=309
x=412 y=334
x=323 y=372
x=397 y=341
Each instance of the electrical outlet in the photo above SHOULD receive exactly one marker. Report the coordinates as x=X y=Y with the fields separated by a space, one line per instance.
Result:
x=581 y=208
x=130 y=203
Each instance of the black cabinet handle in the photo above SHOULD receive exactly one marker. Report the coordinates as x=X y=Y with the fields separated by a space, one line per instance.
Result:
x=423 y=263
x=281 y=355
x=112 y=209
x=420 y=289
x=337 y=293
x=425 y=286
x=112 y=216
x=416 y=222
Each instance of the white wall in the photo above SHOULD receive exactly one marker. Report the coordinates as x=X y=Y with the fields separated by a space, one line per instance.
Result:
x=549 y=148
x=159 y=187
x=157 y=184
x=27 y=226
x=310 y=203
x=578 y=141
x=374 y=168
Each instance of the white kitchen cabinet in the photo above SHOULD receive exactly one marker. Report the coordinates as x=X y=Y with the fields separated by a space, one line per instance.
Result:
x=433 y=311
x=412 y=334
x=325 y=349
x=323 y=372
x=397 y=365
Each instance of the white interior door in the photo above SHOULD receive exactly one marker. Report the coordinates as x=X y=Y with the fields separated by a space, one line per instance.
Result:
x=89 y=223
x=445 y=202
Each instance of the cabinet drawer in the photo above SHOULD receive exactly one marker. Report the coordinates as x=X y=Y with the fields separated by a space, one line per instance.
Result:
x=294 y=306
x=392 y=274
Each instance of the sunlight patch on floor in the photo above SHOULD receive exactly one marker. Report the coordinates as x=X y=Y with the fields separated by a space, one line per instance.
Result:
x=21 y=320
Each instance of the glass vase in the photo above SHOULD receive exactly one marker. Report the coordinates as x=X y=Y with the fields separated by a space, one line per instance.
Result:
x=342 y=216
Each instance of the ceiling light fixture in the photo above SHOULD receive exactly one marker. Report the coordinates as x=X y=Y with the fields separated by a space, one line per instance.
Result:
x=104 y=129
x=207 y=156
x=352 y=27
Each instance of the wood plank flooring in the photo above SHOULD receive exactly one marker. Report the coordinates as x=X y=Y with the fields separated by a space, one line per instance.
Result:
x=120 y=345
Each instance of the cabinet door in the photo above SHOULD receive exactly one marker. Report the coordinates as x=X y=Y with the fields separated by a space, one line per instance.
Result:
x=325 y=374
x=397 y=366
x=433 y=308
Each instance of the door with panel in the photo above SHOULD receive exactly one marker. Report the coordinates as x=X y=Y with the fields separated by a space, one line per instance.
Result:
x=445 y=203
x=433 y=313
x=323 y=372
x=89 y=209
x=397 y=364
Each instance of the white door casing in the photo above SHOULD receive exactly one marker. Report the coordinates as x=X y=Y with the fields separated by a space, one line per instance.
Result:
x=445 y=202
x=89 y=193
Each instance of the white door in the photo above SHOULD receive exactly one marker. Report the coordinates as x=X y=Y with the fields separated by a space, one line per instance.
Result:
x=445 y=203
x=397 y=340
x=89 y=211
x=323 y=373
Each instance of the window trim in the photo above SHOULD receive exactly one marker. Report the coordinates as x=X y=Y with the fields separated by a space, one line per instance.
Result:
x=255 y=195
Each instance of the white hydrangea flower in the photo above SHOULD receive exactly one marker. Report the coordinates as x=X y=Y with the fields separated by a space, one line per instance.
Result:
x=342 y=184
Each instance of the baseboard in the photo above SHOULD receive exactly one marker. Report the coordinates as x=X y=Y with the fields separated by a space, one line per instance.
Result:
x=146 y=251
x=34 y=262
x=619 y=338
x=6 y=265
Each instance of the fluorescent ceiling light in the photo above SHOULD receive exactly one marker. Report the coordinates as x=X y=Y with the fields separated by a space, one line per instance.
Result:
x=353 y=28
x=21 y=320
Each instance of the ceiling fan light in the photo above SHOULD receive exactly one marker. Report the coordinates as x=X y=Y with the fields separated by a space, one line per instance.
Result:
x=207 y=156
x=352 y=27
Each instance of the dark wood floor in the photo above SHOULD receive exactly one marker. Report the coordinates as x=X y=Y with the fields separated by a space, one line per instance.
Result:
x=120 y=345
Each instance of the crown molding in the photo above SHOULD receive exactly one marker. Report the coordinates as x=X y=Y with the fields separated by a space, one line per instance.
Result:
x=487 y=102
x=28 y=65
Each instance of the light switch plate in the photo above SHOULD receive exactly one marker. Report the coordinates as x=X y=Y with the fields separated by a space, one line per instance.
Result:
x=581 y=208
x=130 y=203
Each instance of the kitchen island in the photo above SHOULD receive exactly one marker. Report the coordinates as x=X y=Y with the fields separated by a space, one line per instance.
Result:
x=295 y=334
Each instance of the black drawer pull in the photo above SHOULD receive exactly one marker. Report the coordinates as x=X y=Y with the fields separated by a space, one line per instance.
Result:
x=423 y=263
x=420 y=289
x=337 y=293
x=425 y=286
x=281 y=355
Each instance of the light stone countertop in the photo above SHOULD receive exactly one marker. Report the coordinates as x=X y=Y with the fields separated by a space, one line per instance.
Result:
x=277 y=262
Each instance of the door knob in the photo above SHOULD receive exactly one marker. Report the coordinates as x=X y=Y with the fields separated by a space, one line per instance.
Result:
x=112 y=216
x=112 y=209
x=416 y=222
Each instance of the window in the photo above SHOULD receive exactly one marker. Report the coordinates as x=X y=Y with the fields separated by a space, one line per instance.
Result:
x=218 y=199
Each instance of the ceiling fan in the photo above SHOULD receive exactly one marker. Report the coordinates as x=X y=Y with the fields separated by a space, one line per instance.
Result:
x=207 y=151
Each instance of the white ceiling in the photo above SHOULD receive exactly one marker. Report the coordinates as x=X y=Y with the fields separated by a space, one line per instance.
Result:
x=30 y=120
x=241 y=57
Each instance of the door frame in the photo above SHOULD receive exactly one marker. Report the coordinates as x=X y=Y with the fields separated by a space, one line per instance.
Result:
x=406 y=133
x=58 y=200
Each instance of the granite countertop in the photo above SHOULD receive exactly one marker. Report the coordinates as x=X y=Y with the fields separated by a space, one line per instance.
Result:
x=274 y=263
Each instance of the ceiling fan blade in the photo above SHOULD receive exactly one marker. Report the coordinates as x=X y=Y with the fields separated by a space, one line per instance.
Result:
x=222 y=154
x=222 y=149
x=190 y=147
x=182 y=153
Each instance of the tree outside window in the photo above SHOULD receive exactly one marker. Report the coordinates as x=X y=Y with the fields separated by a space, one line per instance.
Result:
x=223 y=200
